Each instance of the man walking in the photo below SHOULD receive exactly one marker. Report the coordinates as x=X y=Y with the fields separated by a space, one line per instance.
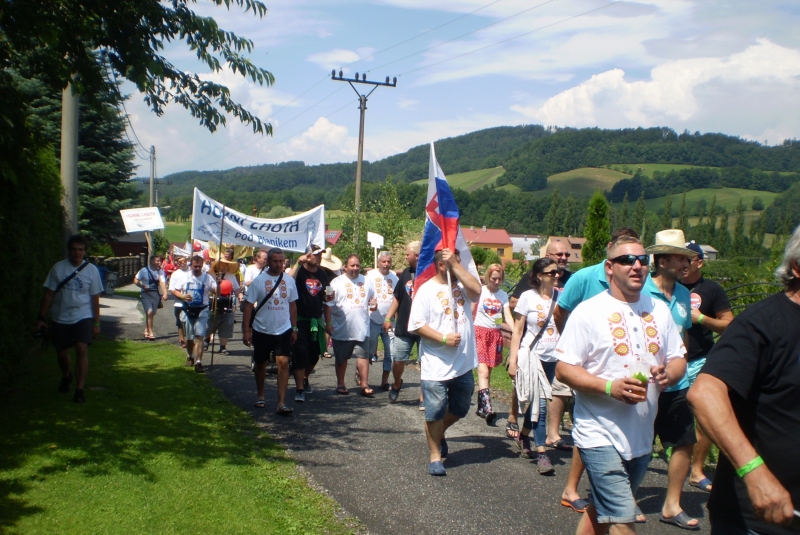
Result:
x=747 y=399
x=193 y=294
x=72 y=295
x=273 y=328
x=384 y=281
x=611 y=341
x=401 y=308
x=441 y=315
x=175 y=281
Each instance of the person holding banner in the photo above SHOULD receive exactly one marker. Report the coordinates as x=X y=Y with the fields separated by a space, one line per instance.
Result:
x=193 y=293
x=441 y=315
x=153 y=282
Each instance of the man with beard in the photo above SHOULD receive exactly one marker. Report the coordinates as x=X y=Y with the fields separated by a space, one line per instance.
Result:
x=193 y=293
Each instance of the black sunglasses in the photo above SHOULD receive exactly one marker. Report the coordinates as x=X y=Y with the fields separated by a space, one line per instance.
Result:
x=630 y=259
x=552 y=273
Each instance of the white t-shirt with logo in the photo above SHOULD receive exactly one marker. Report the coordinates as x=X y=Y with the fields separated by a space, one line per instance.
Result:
x=610 y=339
x=176 y=281
x=275 y=318
x=384 y=286
x=198 y=287
x=434 y=305
x=73 y=302
x=150 y=278
x=489 y=312
x=350 y=308
x=535 y=308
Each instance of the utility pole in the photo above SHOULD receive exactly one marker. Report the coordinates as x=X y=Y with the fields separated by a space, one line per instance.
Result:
x=69 y=158
x=149 y=234
x=362 y=106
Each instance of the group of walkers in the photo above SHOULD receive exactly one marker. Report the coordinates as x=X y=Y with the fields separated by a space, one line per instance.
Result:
x=631 y=340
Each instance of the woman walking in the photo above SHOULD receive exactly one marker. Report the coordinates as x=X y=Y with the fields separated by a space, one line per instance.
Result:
x=491 y=310
x=153 y=283
x=532 y=361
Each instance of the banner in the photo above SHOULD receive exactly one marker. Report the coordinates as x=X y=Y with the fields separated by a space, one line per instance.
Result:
x=142 y=219
x=293 y=233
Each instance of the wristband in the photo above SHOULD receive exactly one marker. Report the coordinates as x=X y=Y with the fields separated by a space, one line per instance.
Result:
x=749 y=467
x=444 y=339
x=295 y=329
x=608 y=387
x=700 y=319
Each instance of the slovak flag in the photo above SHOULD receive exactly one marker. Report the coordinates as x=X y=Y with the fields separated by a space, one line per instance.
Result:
x=441 y=226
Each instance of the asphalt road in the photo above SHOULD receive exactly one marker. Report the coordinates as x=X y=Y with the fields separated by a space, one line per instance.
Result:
x=371 y=456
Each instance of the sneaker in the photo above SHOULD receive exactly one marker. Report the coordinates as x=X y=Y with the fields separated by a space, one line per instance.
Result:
x=307 y=387
x=300 y=397
x=421 y=406
x=79 y=397
x=224 y=350
x=189 y=362
x=373 y=358
x=63 y=386
x=544 y=466
x=198 y=367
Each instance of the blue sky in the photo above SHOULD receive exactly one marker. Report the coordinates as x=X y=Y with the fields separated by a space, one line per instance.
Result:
x=464 y=65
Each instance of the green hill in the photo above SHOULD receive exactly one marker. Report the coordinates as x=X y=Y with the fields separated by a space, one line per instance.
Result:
x=471 y=180
x=582 y=182
x=649 y=168
x=727 y=197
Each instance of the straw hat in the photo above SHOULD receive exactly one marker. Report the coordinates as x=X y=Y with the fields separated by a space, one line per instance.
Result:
x=330 y=261
x=671 y=241
x=228 y=266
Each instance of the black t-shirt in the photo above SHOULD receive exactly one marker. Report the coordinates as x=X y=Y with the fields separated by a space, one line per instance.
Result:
x=524 y=283
x=403 y=292
x=311 y=292
x=758 y=358
x=712 y=299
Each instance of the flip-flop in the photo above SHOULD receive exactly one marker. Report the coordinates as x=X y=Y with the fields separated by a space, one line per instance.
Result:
x=681 y=520
x=512 y=430
x=260 y=404
x=342 y=391
x=327 y=355
x=284 y=411
x=703 y=484
x=367 y=392
x=638 y=512
x=559 y=445
x=579 y=505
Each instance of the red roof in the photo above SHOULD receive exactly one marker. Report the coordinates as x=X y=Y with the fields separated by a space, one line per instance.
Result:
x=493 y=236
x=332 y=236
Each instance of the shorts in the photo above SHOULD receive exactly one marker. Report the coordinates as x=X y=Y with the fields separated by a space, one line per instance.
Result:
x=452 y=395
x=306 y=351
x=401 y=347
x=150 y=300
x=693 y=369
x=222 y=324
x=178 y=321
x=344 y=349
x=66 y=335
x=675 y=422
x=560 y=389
x=489 y=343
x=613 y=482
x=264 y=344
x=195 y=327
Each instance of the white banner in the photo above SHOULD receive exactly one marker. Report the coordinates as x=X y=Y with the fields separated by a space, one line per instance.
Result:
x=142 y=219
x=293 y=233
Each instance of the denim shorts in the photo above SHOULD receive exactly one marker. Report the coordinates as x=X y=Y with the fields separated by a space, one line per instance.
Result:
x=195 y=327
x=344 y=349
x=401 y=347
x=453 y=396
x=613 y=481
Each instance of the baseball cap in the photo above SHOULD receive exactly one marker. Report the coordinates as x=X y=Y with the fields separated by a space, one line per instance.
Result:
x=695 y=248
x=313 y=249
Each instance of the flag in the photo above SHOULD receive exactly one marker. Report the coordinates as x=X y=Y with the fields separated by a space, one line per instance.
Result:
x=442 y=230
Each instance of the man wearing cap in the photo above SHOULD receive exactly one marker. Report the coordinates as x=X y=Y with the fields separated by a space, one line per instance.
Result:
x=711 y=313
x=312 y=315
x=675 y=422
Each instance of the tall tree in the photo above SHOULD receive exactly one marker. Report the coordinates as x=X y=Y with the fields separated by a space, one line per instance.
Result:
x=625 y=213
x=666 y=217
x=553 y=220
x=391 y=220
x=597 y=231
x=739 y=245
x=569 y=226
x=639 y=215
x=722 y=238
x=711 y=221
x=683 y=216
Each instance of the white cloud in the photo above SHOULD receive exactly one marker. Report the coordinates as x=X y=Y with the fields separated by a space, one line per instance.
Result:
x=337 y=58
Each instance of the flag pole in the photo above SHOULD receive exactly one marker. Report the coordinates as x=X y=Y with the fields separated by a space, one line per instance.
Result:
x=216 y=297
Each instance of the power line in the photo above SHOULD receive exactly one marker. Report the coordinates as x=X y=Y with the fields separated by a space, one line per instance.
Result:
x=106 y=68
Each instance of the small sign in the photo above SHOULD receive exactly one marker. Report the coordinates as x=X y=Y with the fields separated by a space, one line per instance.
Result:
x=375 y=240
x=142 y=219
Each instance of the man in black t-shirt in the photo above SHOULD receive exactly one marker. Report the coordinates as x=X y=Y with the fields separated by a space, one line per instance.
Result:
x=711 y=313
x=403 y=341
x=747 y=399
x=313 y=318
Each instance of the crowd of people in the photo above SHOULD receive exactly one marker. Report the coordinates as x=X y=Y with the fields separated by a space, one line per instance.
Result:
x=630 y=342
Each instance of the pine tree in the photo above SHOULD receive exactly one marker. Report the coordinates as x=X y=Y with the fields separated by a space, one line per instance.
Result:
x=683 y=217
x=666 y=217
x=570 y=224
x=711 y=221
x=739 y=246
x=722 y=238
x=552 y=220
x=638 y=216
x=598 y=230
x=625 y=213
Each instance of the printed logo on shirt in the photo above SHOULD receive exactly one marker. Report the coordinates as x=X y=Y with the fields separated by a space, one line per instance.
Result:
x=696 y=301
x=313 y=286
x=682 y=310
x=492 y=306
x=410 y=288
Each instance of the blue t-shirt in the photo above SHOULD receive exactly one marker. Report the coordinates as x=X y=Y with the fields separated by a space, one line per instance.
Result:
x=680 y=306
x=583 y=285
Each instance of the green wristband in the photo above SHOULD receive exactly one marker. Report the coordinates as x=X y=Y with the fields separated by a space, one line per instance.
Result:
x=749 y=467
x=700 y=319
x=444 y=339
x=608 y=388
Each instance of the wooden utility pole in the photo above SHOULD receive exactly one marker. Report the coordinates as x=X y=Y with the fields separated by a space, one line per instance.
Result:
x=69 y=158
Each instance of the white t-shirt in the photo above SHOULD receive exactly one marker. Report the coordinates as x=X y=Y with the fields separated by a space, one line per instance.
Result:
x=489 y=312
x=275 y=319
x=150 y=278
x=350 y=308
x=73 y=302
x=198 y=287
x=607 y=337
x=176 y=281
x=535 y=308
x=433 y=305
x=251 y=273
x=384 y=286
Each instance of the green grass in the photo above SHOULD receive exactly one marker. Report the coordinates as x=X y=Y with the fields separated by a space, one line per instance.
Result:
x=582 y=183
x=127 y=293
x=177 y=232
x=727 y=197
x=471 y=180
x=649 y=168
x=156 y=449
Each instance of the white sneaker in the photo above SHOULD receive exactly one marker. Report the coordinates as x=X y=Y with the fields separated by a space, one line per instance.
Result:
x=300 y=397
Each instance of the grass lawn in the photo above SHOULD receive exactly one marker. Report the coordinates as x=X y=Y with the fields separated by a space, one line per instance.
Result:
x=471 y=180
x=156 y=449
x=582 y=183
x=727 y=197
x=177 y=232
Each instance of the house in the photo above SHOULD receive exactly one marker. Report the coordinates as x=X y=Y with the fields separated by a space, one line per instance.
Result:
x=526 y=244
x=575 y=246
x=131 y=244
x=332 y=236
x=709 y=252
x=496 y=240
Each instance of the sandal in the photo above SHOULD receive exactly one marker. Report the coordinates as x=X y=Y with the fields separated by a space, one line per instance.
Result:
x=367 y=392
x=284 y=411
x=512 y=430
x=559 y=444
x=579 y=505
x=681 y=520
x=327 y=355
x=523 y=444
x=342 y=390
x=704 y=484
x=260 y=404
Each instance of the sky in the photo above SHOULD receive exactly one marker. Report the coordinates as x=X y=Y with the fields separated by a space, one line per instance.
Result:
x=464 y=65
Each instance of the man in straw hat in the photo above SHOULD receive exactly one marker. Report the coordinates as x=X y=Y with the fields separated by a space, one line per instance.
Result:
x=675 y=422
x=221 y=317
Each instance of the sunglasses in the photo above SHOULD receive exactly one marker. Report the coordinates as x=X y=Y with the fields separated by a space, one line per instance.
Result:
x=552 y=273
x=630 y=259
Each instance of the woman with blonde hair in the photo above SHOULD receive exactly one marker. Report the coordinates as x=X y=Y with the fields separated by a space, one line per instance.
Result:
x=490 y=312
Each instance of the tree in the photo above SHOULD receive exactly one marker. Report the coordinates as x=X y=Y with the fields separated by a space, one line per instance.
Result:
x=598 y=230
x=62 y=39
x=552 y=220
x=758 y=204
x=392 y=220
x=739 y=246
x=711 y=222
x=639 y=215
x=683 y=216
x=722 y=238
x=570 y=225
x=625 y=213
x=666 y=217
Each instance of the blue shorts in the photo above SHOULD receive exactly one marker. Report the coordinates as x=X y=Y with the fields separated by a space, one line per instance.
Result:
x=693 y=369
x=195 y=327
x=453 y=396
x=613 y=481
x=401 y=347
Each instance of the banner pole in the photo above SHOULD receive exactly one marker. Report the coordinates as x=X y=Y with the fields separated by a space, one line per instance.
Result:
x=219 y=272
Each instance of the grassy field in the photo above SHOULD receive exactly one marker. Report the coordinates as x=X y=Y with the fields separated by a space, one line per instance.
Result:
x=582 y=183
x=727 y=197
x=649 y=168
x=156 y=449
x=177 y=232
x=471 y=180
